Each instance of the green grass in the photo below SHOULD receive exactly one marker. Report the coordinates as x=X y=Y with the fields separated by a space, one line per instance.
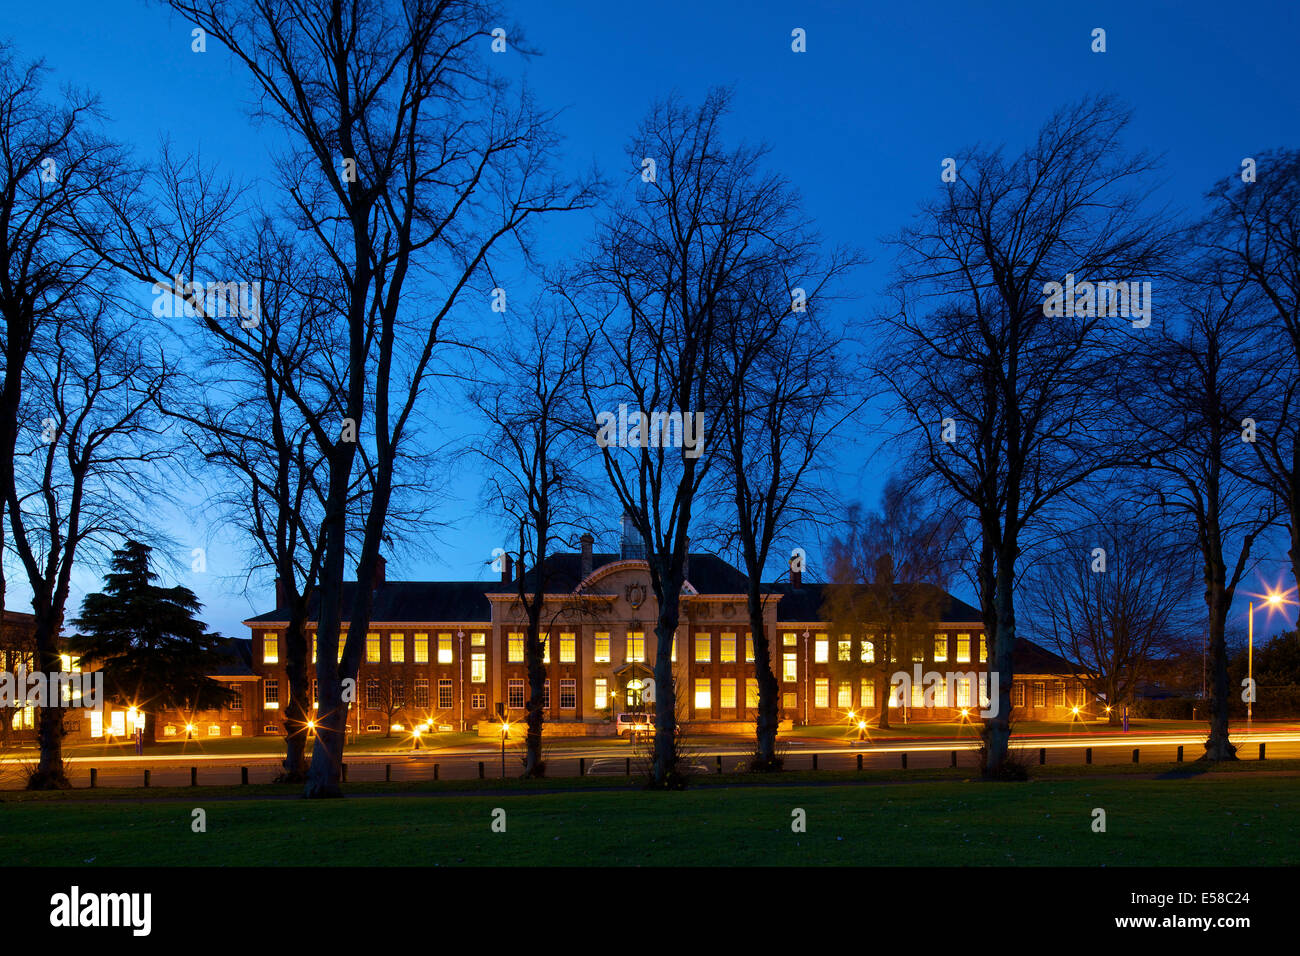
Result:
x=1241 y=818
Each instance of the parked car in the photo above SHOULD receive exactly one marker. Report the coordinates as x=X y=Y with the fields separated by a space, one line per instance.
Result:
x=635 y=723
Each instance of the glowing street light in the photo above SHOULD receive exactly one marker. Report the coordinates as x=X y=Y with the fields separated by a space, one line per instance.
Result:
x=1274 y=600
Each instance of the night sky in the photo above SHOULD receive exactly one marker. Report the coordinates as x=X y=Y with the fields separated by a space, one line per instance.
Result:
x=859 y=124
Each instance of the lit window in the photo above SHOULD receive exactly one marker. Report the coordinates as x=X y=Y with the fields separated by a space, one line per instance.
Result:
x=822 y=692
x=397 y=648
x=867 y=693
x=397 y=692
x=895 y=694
x=749 y=648
x=546 y=695
x=545 y=638
x=940 y=648
x=635 y=646
x=214 y=730
x=727 y=651
x=1040 y=695
x=789 y=639
x=444 y=648
x=984 y=649
x=672 y=650
x=568 y=650
x=602 y=647
x=727 y=693
x=478 y=701
x=422 y=693
x=963 y=648
x=515 y=698
x=372 y=648
x=703 y=693
x=821 y=649
x=1018 y=694
x=602 y=692
x=1058 y=691
x=444 y=693
x=236 y=730
x=963 y=691
x=236 y=701
x=343 y=643
x=270 y=649
x=478 y=667
x=751 y=692
x=515 y=651
x=941 y=694
x=844 y=695
x=869 y=650
x=478 y=639
x=313 y=648
x=374 y=694
x=271 y=698
x=568 y=694
x=790 y=701
x=918 y=695
x=844 y=650
x=169 y=730
x=703 y=647
x=790 y=668
x=421 y=648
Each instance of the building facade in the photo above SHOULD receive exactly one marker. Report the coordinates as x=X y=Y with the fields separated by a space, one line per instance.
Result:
x=449 y=655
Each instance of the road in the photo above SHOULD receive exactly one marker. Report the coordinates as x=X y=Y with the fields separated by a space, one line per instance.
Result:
x=569 y=758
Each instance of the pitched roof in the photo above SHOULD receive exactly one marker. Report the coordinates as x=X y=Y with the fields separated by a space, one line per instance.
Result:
x=401 y=602
x=1030 y=658
x=707 y=573
x=236 y=658
x=804 y=603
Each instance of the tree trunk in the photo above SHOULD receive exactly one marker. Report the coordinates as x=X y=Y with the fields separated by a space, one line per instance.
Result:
x=1218 y=747
x=297 y=711
x=768 y=689
x=533 y=766
x=665 y=774
x=997 y=729
x=50 y=772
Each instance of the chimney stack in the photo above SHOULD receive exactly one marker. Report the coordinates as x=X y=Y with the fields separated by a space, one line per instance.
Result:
x=586 y=541
x=507 y=573
x=380 y=576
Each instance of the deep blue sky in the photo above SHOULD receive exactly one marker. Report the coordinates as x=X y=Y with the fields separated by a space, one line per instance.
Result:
x=859 y=124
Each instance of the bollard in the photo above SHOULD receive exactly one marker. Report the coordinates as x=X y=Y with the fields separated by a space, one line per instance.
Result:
x=480 y=769
x=1135 y=755
x=94 y=776
x=1087 y=755
x=1042 y=756
x=1180 y=753
x=953 y=761
x=435 y=771
x=388 y=773
x=582 y=766
x=814 y=761
x=628 y=767
x=344 y=768
x=859 y=761
x=146 y=778
x=719 y=763
x=1261 y=751
x=243 y=775
x=904 y=760
x=194 y=776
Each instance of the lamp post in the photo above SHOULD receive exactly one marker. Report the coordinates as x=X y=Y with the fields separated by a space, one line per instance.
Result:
x=505 y=732
x=460 y=650
x=807 y=667
x=1273 y=600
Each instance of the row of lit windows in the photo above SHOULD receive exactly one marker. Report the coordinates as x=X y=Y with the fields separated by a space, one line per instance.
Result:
x=633 y=647
x=867 y=648
x=516 y=699
x=396 y=648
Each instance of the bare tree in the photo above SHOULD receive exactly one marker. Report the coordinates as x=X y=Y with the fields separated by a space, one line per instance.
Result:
x=1252 y=236
x=1010 y=392
x=656 y=297
x=93 y=441
x=528 y=405
x=1201 y=386
x=888 y=574
x=1113 y=598
x=406 y=164
x=780 y=399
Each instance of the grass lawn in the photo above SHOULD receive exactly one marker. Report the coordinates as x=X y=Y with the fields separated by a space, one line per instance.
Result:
x=239 y=746
x=1244 y=818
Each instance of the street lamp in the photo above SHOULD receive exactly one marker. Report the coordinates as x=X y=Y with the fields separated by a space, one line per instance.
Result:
x=1273 y=600
x=460 y=649
x=807 y=668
